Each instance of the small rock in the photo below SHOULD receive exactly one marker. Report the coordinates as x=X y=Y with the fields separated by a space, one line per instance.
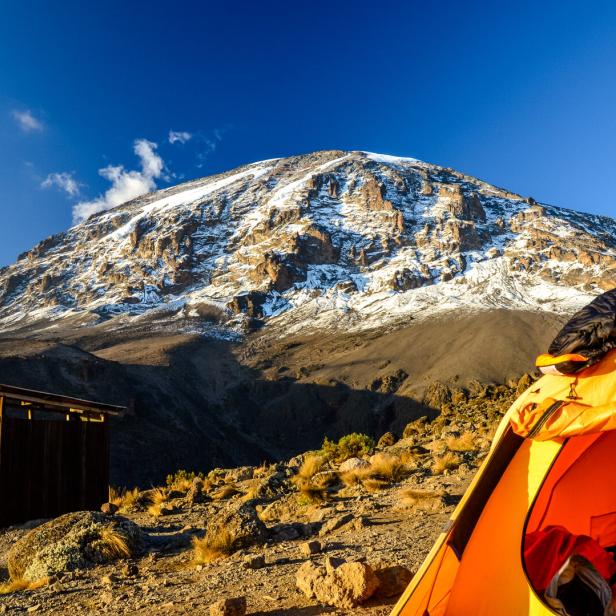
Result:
x=229 y=607
x=34 y=608
x=109 y=508
x=360 y=522
x=254 y=561
x=310 y=547
x=335 y=523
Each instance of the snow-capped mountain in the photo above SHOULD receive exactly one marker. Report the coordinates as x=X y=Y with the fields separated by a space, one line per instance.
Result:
x=325 y=240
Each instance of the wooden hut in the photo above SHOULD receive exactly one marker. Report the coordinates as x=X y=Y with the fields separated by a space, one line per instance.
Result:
x=54 y=454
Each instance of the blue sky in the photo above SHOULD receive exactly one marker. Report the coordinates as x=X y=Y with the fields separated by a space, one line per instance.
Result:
x=521 y=94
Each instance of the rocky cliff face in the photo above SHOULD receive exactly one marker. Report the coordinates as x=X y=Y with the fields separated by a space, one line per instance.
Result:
x=327 y=240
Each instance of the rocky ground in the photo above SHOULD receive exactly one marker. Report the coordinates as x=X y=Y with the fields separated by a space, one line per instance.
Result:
x=345 y=526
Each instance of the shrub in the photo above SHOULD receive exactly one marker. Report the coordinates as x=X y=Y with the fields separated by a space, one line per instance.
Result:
x=209 y=549
x=353 y=445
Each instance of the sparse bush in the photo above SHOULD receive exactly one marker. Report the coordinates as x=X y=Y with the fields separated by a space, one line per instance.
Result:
x=448 y=461
x=464 y=442
x=353 y=445
x=209 y=549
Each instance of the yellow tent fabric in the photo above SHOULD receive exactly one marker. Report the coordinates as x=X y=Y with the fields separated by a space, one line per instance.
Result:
x=552 y=461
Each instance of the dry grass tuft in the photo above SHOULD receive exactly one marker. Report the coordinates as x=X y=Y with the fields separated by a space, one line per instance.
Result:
x=464 y=442
x=20 y=585
x=124 y=499
x=421 y=499
x=354 y=477
x=207 y=550
x=311 y=486
x=312 y=493
x=158 y=498
x=448 y=461
x=386 y=467
x=112 y=544
x=311 y=465
x=374 y=485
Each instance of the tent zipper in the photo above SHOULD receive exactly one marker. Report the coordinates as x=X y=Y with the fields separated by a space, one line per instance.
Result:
x=542 y=420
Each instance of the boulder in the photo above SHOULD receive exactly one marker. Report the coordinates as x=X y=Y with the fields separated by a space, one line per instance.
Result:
x=242 y=522
x=346 y=586
x=73 y=541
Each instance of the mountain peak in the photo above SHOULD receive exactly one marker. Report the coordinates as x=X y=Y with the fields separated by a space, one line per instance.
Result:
x=318 y=240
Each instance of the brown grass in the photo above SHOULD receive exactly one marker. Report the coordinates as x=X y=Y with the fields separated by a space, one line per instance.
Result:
x=386 y=467
x=311 y=465
x=448 y=461
x=421 y=499
x=112 y=544
x=123 y=498
x=157 y=498
x=20 y=585
x=312 y=493
x=207 y=550
x=464 y=442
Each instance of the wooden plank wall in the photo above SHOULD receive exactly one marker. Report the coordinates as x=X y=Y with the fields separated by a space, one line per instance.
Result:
x=51 y=467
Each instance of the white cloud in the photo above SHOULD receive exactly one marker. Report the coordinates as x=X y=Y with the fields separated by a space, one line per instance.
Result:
x=125 y=185
x=64 y=181
x=179 y=136
x=26 y=121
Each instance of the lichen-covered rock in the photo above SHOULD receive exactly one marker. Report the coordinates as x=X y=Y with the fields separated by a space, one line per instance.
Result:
x=73 y=541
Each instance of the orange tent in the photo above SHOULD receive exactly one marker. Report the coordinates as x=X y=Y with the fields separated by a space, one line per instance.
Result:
x=552 y=462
